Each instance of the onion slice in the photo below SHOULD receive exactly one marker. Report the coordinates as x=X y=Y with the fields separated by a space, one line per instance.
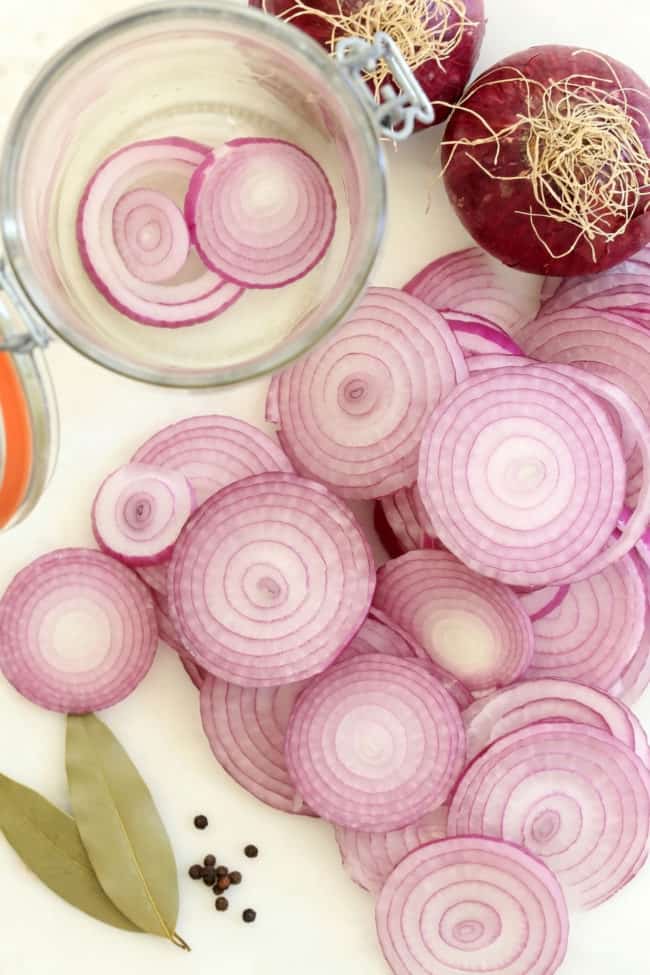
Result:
x=473 y=627
x=139 y=511
x=375 y=743
x=169 y=634
x=407 y=520
x=78 y=631
x=573 y=795
x=523 y=477
x=478 y=336
x=472 y=904
x=151 y=235
x=102 y=237
x=471 y=281
x=370 y=858
x=533 y=701
x=351 y=414
x=246 y=728
x=595 y=630
x=261 y=212
x=270 y=580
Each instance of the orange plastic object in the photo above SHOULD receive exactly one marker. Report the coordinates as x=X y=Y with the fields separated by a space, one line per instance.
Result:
x=18 y=440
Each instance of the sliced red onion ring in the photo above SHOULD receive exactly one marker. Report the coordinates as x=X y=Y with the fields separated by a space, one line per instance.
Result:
x=378 y=637
x=495 y=360
x=375 y=743
x=455 y=687
x=213 y=451
x=474 y=628
x=470 y=905
x=169 y=634
x=478 y=336
x=151 y=235
x=635 y=677
x=573 y=795
x=102 y=239
x=139 y=511
x=351 y=414
x=261 y=212
x=407 y=520
x=471 y=281
x=270 y=580
x=538 y=603
x=155 y=577
x=370 y=858
x=593 y=633
x=523 y=476
x=534 y=701
x=625 y=292
x=78 y=631
x=246 y=728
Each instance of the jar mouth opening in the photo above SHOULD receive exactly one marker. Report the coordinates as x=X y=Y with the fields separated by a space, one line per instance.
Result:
x=112 y=351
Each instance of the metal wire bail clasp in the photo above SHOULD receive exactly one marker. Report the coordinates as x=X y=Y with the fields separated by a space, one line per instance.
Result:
x=36 y=336
x=396 y=112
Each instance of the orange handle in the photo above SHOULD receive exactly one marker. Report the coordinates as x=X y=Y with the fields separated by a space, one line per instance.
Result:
x=18 y=440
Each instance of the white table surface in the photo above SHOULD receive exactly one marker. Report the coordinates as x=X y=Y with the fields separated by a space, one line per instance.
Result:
x=311 y=919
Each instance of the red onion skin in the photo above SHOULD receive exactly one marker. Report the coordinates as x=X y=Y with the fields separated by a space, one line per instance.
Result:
x=440 y=84
x=489 y=208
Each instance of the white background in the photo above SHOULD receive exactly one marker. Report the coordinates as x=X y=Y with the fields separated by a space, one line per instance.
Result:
x=312 y=920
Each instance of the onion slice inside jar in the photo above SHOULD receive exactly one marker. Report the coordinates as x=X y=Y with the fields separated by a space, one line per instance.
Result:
x=79 y=631
x=139 y=511
x=261 y=212
x=270 y=580
x=374 y=743
x=472 y=904
x=573 y=795
x=352 y=413
x=473 y=627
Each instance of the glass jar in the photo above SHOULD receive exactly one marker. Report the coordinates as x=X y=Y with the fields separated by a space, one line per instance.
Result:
x=205 y=71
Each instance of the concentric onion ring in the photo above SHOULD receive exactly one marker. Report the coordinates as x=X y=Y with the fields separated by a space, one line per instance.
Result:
x=139 y=511
x=78 y=631
x=538 y=603
x=246 y=728
x=474 y=628
x=523 y=476
x=532 y=701
x=269 y=580
x=374 y=743
x=472 y=904
x=573 y=795
x=370 y=858
x=407 y=519
x=162 y=303
x=261 y=212
x=595 y=630
x=351 y=414
x=151 y=235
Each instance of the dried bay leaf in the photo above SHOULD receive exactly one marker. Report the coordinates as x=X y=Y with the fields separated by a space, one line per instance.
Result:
x=47 y=841
x=120 y=828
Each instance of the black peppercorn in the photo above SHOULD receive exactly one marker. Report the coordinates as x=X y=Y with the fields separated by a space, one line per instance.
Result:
x=222 y=871
x=221 y=903
x=196 y=871
x=200 y=822
x=223 y=883
x=249 y=915
x=235 y=877
x=210 y=860
x=251 y=851
x=209 y=876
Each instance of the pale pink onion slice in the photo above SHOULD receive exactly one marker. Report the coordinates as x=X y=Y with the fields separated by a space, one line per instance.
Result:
x=139 y=511
x=523 y=477
x=473 y=282
x=166 y=304
x=78 y=631
x=351 y=413
x=261 y=212
x=533 y=701
x=369 y=858
x=246 y=728
x=594 y=632
x=376 y=636
x=270 y=580
x=473 y=627
x=374 y=743
x=479 y=336
x=573 y=795
x=469 y=905
x=151 y=235
x=213 y=451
